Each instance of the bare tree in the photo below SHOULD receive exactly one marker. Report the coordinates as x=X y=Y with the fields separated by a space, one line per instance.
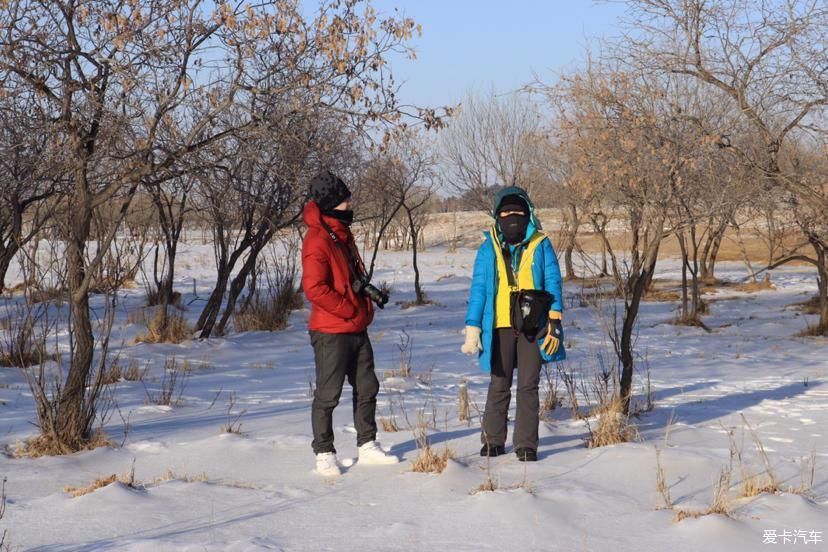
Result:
x=412 y=181
x=558 y=178
x=378 y=204
x=133 y=88
x=640 y=160
x=171 y=201
x=29 y=176
x=256 y=191
x=767 y=58
x=489 y=145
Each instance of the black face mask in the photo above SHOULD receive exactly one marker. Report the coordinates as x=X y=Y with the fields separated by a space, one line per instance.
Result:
x=513 y=228
x=347 y=217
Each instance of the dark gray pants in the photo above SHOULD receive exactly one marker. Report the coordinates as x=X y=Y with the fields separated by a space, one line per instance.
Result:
x=510 y=351
x=338 y=356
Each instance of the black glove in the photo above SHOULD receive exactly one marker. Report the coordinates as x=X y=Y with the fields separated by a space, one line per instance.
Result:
x=554 y=332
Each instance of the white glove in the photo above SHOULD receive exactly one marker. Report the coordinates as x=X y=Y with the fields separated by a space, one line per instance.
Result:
x=472 y=346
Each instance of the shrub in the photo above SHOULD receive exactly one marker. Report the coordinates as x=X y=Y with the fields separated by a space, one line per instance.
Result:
x=166 y=326
x=274 y=296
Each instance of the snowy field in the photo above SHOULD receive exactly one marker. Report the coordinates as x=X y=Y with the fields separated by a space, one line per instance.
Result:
x=207 y=490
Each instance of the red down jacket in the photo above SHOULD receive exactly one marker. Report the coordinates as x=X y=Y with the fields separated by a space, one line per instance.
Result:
x=326 y=278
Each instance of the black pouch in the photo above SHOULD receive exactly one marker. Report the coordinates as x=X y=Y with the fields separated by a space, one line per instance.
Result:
x=530 y=311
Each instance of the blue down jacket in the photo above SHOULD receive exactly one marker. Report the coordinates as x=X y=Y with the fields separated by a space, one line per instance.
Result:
x=545 y=272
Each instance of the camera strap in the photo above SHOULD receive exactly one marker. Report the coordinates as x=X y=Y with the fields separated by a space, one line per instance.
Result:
x=507 y=258
x=351 y=256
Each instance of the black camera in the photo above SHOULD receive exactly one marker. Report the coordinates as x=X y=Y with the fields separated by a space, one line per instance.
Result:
x=363 y=286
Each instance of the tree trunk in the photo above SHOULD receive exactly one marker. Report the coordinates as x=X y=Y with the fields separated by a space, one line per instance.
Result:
x=694 y=272
x=71 y=424
x=208 y=316
x=568 y=264
x=637 y=284
x=237 y=285
x=709 y=253
x=684 y=299
x=630 y=316
x=7 y=253
x=648 y=285
x=418 y=290
x=570 y=234
x=710 y=277
x=604 y=270
x=382 y=228
x=224 y=266
x=822 y=284
x=166 y=289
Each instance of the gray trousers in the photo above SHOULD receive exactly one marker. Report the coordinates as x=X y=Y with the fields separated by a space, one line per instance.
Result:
x=513 y=351
x=337 y=357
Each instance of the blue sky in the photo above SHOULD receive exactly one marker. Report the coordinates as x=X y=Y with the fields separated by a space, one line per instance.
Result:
x=484 y=44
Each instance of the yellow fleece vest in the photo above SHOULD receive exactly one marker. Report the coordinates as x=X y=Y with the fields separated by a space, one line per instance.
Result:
x=524 y=279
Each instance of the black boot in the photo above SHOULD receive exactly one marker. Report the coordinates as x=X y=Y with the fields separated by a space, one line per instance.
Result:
x=525 y=454
x=492 y=450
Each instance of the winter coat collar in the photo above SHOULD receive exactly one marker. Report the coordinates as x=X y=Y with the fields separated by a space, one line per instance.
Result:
x=313 y=217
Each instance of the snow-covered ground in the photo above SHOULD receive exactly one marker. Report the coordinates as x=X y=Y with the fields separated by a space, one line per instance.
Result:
x=257 y=490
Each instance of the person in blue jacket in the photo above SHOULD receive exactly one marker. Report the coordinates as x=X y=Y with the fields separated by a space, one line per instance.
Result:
x=515 y=255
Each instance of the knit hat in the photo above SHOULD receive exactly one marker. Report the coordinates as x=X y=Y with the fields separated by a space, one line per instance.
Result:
x=513 y=203
x=327 y=190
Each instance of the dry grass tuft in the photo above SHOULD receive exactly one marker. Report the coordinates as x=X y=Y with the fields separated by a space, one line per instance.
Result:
x=167 y=325
x=753 y=484
x=92 y=487
x=662 y=296
x=463 y=413
x=551 y=398
x=233 y=424
x=811 y=306
x=814 y=331
x=428 y=461
x=692 y=320
x=173 y=383
x=613 y=426
x=171 y=475
x=134 y=371
x=755 y=287
x=756 y=484
x=22 y=347
x=389 y=425
x=269 y=311
x=661 y=483
x=405 y=305
x=719 y=505
x=42 y=445
x=487 y=486
x=127 y=478
x=110 y=284
x=404 y=368
x=490 y=485
x=807 y=472
x=112 y=374
x=48 y=295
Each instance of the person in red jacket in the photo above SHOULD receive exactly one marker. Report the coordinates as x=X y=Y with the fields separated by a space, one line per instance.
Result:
x=338 y=323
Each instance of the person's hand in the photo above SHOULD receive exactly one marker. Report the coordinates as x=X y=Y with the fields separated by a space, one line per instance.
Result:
x=472 y=346
x=554 y=331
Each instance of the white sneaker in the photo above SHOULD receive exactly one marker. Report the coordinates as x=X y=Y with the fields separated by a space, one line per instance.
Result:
x=326 y=464
x=371 y=453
